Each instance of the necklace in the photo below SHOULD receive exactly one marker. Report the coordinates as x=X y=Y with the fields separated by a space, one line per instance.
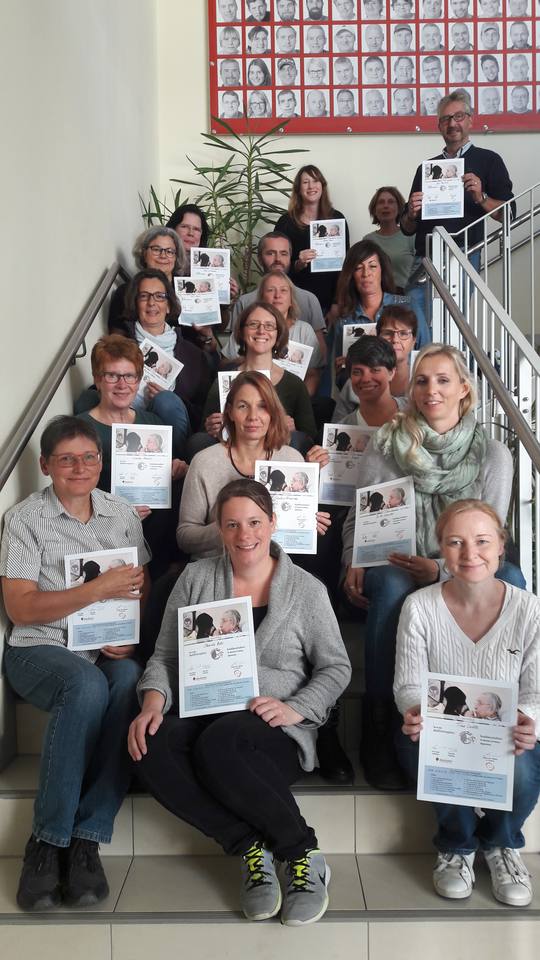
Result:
x=246 y=476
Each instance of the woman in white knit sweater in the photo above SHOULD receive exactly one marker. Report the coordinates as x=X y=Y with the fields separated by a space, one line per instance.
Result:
x=475 y=625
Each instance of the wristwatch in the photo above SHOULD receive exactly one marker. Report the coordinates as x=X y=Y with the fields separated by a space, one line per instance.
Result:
x=484 y=197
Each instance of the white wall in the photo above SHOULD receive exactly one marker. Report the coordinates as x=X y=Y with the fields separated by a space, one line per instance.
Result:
x=80 y=140
x=78 y=82
x=354 y=166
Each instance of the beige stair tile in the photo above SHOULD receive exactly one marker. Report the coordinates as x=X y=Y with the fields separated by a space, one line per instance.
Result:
x=468 y=941
x=55 y=941
x=393 y=823
x=266 y=941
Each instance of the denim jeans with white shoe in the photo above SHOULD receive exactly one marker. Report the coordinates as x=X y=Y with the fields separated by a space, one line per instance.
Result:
x=460 y=829
x=85 y=768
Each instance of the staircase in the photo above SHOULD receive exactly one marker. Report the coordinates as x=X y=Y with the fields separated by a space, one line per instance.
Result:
x=174 y=892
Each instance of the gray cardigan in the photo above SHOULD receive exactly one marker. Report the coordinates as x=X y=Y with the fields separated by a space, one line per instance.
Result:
x=301 y=658
x=494 y=483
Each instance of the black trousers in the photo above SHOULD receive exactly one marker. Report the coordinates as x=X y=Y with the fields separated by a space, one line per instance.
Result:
x=229 y=776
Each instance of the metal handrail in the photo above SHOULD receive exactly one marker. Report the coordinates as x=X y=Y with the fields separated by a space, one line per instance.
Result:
x=55 y=374
x=515 y=417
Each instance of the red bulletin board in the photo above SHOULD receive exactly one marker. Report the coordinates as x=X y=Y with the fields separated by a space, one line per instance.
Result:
x=372 y=66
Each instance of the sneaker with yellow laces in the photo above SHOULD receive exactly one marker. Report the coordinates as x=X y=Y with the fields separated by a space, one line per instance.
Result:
x=260 y=893
x=306 y=894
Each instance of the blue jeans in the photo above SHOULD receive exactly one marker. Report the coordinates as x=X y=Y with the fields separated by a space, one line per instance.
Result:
x=459 y=829
x=85 y=768
x=171 y=409
x=386 y=588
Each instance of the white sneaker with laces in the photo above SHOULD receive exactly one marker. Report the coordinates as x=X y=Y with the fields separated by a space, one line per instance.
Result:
x=510 y=879
x=453 y=876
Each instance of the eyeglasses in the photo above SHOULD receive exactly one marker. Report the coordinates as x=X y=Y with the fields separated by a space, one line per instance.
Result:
x=392 y=334
x=146 y=297
x=458 y=117
x=168 y=252
x=67 y=460
x=110 y=377
x=258 y=325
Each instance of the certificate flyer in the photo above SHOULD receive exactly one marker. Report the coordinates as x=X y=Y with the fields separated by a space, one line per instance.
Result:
x=297 y=358
x=340 y=478
x=216 y=657
x=198 y=300
x=141 y=464
x=294 y=488
x=354 y=331
x=216 y=263
x=108 y=623
x=159 y=367
x=225 y=379
x=442 y=188
x=385 y=522
x=466 y=751
x=327 y=238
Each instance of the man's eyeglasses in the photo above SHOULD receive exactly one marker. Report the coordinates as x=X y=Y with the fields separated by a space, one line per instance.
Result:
x=146 y=297
x=458 y=117
x=110 y=377
x=67 y=460
x=168 y=252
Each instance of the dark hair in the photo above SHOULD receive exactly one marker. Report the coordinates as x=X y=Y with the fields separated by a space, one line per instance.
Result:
x=343 y=441
x=267 y=78
x=347 y=294
x=398 y=311
x=91 y=570
x=398 y=197
x=251 y=489
x=455 y=701
x=282 y=339
x=204 y=625
x=276 y=479
x=296 y=204
x=273 y=235
x=66 y=428
x=131 y=311
x=376 y=501
x=278 y=433
x=116 y=347
x=371 y=352
x=176 y=218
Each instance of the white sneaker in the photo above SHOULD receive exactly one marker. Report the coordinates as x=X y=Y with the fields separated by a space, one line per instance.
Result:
x=453 y=876
x=510 y=878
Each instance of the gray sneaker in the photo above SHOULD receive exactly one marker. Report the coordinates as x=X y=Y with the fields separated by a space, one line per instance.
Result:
x=306 y=896
x=260 y=894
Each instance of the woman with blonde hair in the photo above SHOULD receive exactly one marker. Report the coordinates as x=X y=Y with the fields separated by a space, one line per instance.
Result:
x=466 y=626
x=438 y=443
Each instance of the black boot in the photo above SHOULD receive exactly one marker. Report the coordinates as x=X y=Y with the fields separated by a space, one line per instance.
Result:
x=333 y=761
x=377 y=752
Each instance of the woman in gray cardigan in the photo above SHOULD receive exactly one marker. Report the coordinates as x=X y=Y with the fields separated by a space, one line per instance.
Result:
x=229 y=774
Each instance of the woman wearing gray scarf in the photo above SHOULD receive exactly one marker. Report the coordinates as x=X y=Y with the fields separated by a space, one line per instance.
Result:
x=437 y=442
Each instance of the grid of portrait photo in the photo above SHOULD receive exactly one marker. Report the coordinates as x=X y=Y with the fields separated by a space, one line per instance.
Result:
x=363 y=60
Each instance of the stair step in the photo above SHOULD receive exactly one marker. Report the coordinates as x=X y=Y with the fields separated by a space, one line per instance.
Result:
x=353 y=819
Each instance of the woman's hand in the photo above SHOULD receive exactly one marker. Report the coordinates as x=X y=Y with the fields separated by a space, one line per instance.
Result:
x=148 y=721
x=274 y=712
x=304 y=259
x=354 y=587
x=324 y=522
x=120 y=583
x=143 y=512
x=213 y=424
x=340 y=363
x=152 y=389
x=234 y=288
x=422 y=570
x=206 y=336
x=524 y=734
x=290 y=423
x=412 y=723
x=318 y=455
x=179 y=469
x=122 y=652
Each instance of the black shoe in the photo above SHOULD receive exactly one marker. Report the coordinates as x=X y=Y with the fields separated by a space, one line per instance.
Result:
x=85 y=882
x=333 y=761
x=39 y=886
x=377 y=752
